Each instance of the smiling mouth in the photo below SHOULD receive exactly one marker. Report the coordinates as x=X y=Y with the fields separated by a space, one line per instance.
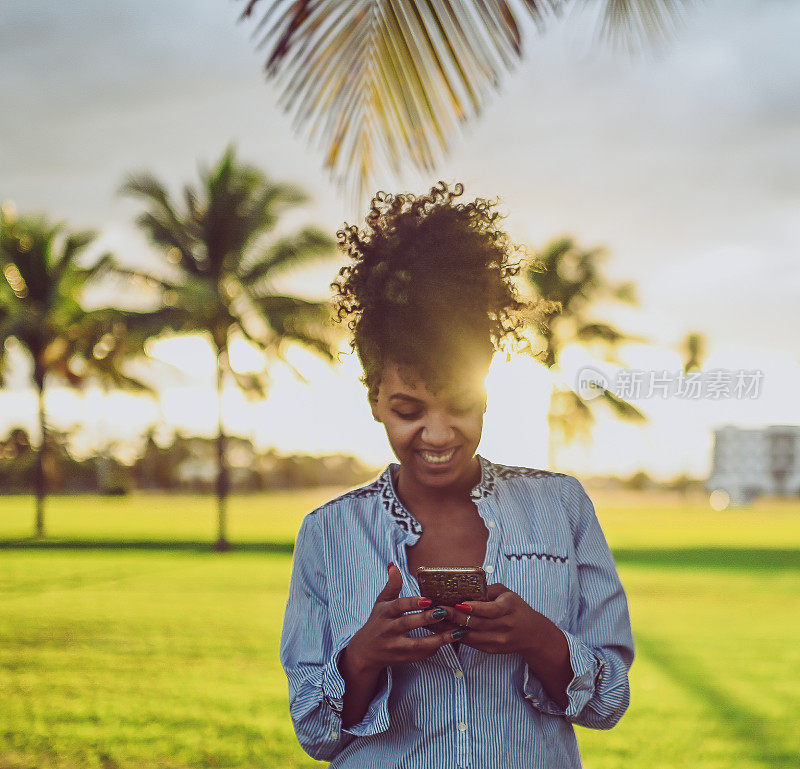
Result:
x=437 y=457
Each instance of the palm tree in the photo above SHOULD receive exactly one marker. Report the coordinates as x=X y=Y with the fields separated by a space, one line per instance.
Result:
x=570 y=278
x=40 y=307
x=222 y=254
x=396 y=77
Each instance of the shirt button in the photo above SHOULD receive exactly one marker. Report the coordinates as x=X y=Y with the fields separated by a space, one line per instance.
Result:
x=458 y=674
x=491 y=524
x=489 y=569
x=334 y=735
x=462 y=727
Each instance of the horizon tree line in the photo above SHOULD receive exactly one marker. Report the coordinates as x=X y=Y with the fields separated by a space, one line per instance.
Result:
x=219 y=258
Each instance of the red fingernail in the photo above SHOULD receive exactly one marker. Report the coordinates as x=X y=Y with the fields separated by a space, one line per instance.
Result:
x=463 y=607
x=389 y=567
x=425 y=602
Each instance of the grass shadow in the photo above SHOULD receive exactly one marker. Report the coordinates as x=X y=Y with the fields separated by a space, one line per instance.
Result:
x=756 y=735
x=749 y=558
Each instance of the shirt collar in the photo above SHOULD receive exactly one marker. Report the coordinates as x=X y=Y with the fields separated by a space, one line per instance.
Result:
x=403 y=517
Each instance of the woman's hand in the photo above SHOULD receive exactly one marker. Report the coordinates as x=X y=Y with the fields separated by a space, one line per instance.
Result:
x=505 y=623
x=384 y=640
x=502 y=624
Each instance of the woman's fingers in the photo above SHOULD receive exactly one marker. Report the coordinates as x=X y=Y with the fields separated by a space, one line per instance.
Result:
x=443 y=626
x=487 y=609
x=399 y=606
x=457 y=617
x=420 y=619
x=424 y=646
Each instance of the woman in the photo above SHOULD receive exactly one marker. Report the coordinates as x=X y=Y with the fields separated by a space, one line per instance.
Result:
x=377 y=676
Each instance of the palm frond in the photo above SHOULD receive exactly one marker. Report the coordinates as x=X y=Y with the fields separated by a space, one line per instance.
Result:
x=308 y=244
x=102 y=266
x=261 y=213
x=637 y=25
x=622 y=408
x=165 y=227
x=74 y=244
x=387 y=78
x=304 y=321
x=608 y=335
x=146 y=278
x=289 y=312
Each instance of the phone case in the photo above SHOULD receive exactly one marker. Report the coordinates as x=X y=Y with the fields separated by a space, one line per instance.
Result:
x=449 y=585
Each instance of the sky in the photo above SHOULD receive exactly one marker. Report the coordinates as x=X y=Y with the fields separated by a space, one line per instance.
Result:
x=682 y=163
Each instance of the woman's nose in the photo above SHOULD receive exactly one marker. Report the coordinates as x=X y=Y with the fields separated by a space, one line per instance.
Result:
x=437 y=432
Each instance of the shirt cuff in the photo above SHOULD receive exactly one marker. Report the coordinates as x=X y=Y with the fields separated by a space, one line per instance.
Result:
x=376 y=719
x=588 y=668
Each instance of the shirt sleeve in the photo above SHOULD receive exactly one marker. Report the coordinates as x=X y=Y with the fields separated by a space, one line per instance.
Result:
x=310 y=659
x=600 y=643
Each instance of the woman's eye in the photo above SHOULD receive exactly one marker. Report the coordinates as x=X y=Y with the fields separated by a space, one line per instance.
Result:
x=407 y=416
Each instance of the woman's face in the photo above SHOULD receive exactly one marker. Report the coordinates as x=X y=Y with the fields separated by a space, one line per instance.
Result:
x=434 y=436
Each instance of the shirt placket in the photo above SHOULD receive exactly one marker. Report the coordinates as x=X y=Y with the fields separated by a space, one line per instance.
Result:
x=460 y=719
x=463 y=727
x=486 y=510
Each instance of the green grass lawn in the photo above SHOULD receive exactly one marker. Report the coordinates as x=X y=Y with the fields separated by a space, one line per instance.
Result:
x=166 y=654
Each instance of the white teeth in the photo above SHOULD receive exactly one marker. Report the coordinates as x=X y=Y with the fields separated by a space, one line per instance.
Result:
x=437 y=458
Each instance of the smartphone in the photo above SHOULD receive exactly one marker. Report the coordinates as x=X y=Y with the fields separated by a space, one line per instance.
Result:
x=449 y=585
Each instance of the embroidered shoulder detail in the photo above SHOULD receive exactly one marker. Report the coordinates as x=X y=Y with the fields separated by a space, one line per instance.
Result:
x=393 y=506
x=509 y=471
x=486 y=484
x=491 y=473
x=360 y=493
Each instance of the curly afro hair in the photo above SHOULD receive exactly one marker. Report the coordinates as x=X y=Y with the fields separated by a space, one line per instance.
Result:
x=428 y=288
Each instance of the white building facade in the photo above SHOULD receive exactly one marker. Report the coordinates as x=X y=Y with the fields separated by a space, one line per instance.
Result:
x=751 y=462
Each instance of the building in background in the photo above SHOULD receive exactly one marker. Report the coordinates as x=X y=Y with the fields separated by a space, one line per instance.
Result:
x=751 y=462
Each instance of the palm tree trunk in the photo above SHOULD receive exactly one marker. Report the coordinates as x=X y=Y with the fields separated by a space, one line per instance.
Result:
x=41 y=484
x=223 y=480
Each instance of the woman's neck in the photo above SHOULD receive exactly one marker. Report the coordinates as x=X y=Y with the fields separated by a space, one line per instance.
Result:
x=420 y=498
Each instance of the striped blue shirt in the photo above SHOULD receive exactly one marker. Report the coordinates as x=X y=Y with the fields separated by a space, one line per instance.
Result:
x=463 y=709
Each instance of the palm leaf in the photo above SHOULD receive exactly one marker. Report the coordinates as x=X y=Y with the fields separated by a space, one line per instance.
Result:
x=307 y=245
x=603 y=332
x=74 y=244
x=165 y=227
x=294 y=319
x=622 y=408
x=386 y=80
x=635 y=24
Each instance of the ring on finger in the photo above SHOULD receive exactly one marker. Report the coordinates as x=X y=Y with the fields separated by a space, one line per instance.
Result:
x=469 y=617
